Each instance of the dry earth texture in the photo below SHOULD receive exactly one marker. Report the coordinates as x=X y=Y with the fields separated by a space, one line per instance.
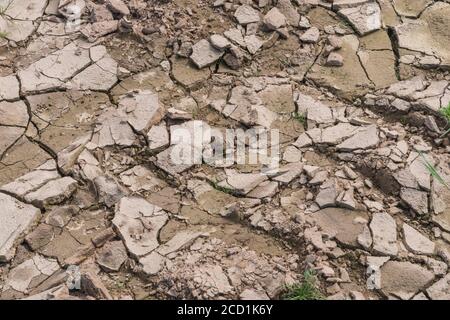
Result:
x=94 y=207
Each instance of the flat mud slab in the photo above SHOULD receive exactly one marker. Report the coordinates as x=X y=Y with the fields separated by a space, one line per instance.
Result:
x=224 y=149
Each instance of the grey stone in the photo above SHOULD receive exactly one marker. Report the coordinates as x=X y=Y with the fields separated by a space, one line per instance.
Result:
x=204 y=54
x=335 y=60
x=304 y=23
x=404 y=279
x=235 y=36
x=53 y=192
x=152 y=263
x=384 y=232
x=440 y=290
x=30 y=181
x=303 y=141
x=417 y=200
x=158 y=137
x=168 y=159
x=118 y=6
x=245 y=14
x=179 y=241
x=139 y=178
x=373 y=205
x=112 y=256
x=112 y=129
x=108 y=190
x=37 y=268
x=340 y=4
x=405 y=89
x=242 y=183
x=319 y=178
x=335 y=134
x=420 y=296
x=292 y=154
x=289 y=11
x=96 y=30
x=72 y=63
x=364 y=139
x=289 y=172
x=365 y=238
x=314 y=110
x=417 y=167
x=263 y=190
x=416 y=242
x=346 y=199
x=311 y=35
x=341 y=224
x=274 y=19
x=40 y=237
x=141 y=110
x=252 y=115
x=418 y=36
x=327 y=197
x=352 y=175
x=138 y=223
x=219 y=42
x=253 y=43
x=54 y=69
x=335 y=42
x=442 y=220
x=406 y=179
x=401 y=105
x=18 y=18
x=15 y=220
x=250 y=294
x=365 y=18
x=100 y=76
x=9 y=88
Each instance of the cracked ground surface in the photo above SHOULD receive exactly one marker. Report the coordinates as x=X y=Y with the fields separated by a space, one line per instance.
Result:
x=92 y=94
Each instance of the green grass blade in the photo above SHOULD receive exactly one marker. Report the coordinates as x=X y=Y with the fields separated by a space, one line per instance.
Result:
x=432 y=170
x=299 y=117
x=445 y=112
x=306 y=290
x=445 y=133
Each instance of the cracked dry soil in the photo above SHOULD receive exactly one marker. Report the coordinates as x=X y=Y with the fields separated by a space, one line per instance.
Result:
x=93 y=92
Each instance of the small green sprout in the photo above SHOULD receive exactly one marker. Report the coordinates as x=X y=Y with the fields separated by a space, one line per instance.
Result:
x=433 y=171
x=299 y=117
x=446 y=114
x=306 y=290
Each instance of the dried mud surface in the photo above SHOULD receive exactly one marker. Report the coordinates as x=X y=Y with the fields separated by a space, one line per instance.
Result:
x=93 y=206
